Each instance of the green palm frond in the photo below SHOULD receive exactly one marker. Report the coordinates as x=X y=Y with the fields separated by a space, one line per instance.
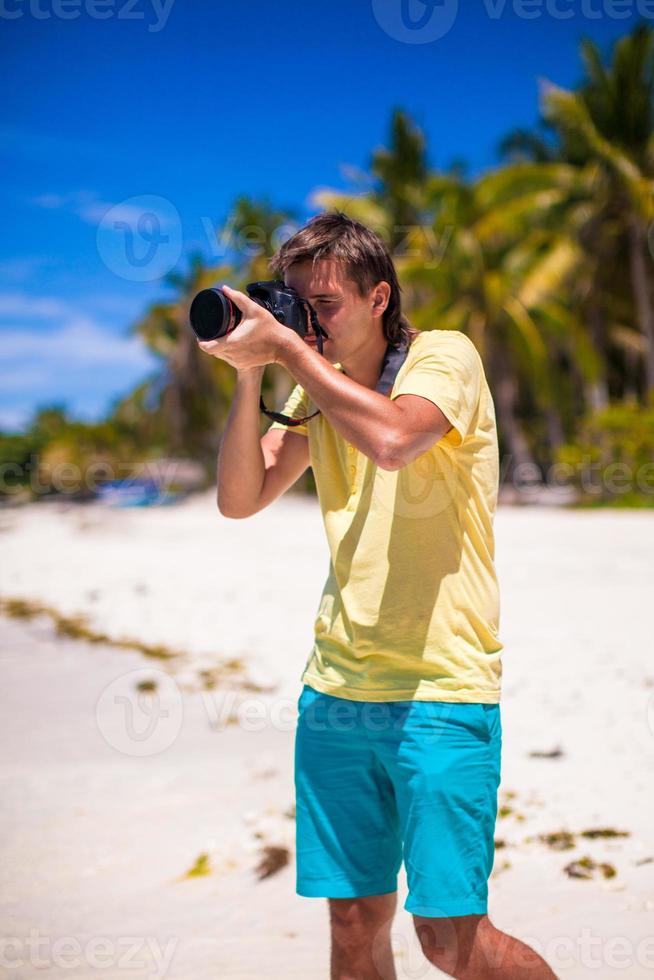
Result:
x=567 y=332
x=627 y=338
x=549 y=274
x=515 y=180
x=568 y=110
x=361 y=207
x=526 y=327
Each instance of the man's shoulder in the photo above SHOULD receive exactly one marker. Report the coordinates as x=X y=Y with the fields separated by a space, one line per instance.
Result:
x=445 y=342
x=438 y=337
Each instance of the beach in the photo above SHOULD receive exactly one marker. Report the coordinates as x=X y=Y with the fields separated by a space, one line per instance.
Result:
x=102 y=822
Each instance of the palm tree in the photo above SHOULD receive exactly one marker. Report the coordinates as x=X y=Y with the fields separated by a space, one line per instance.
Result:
x=499 y=281
x=470 y=252
x=258 y=228
x=190 y=395
x=183 y=407
x=505 y=260
x=608 y=123
x=399 y=172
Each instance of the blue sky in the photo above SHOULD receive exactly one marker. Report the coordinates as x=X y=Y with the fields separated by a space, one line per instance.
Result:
x=118 y=108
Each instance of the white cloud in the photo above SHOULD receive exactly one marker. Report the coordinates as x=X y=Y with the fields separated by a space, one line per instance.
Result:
x=49 y=201
x=14 y=419
x=23 y=306
x=89 y=207
x=16 y=305
x=70 y=357
x=81 y=341
x=21 y=269
x=21 y=380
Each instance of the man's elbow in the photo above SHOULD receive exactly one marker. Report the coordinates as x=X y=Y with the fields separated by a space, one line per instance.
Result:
x=398 y=453
x=391 y=465
x=233 y=514
x=392 y=456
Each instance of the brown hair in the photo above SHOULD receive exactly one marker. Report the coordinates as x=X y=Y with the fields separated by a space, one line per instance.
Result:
x=364 y=256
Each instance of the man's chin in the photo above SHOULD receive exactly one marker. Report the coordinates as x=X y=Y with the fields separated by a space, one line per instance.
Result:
x=326 y=344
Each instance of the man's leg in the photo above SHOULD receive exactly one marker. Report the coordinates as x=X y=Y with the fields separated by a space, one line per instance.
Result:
x=361 y=937
x=348 y=847
x=469 y=947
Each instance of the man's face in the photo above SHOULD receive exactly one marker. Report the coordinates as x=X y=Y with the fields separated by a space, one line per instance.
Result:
x=349 y=318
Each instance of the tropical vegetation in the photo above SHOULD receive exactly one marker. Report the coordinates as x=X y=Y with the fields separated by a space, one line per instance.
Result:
x=546 y=262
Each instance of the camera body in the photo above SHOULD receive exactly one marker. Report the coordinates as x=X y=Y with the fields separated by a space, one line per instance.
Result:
x=214 y=315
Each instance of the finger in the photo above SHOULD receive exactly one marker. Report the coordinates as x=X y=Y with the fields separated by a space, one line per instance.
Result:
x=244 y=303
x=208 y=345
x=213 y=349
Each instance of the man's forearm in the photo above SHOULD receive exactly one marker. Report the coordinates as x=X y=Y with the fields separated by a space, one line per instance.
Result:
x=241 y=465
x=364 y=417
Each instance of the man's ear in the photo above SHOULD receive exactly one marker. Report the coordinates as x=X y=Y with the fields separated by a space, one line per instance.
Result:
x=380 y=298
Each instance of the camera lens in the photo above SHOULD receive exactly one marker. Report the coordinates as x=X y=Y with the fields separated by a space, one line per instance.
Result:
x=213 y=314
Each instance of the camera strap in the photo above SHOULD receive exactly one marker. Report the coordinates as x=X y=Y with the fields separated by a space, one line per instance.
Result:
x=394 y=358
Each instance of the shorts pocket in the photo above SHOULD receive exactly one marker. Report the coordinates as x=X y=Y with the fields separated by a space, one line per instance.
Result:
x=474 y=716
x=492 y=721
x=484 y=720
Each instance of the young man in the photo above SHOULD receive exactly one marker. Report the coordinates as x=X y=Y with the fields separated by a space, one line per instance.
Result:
x=398 y=743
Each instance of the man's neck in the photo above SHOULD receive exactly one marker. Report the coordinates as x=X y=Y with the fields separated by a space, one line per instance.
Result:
x=365 y=367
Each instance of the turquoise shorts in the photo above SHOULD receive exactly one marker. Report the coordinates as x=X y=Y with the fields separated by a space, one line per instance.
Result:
x=381 y=782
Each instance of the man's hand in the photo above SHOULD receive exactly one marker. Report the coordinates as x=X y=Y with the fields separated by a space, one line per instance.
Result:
x=255 y=342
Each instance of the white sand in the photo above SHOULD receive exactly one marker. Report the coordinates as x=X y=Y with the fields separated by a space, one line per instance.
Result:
x=98 y=827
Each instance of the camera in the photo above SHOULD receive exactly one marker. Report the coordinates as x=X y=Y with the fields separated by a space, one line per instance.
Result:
x=213 y=315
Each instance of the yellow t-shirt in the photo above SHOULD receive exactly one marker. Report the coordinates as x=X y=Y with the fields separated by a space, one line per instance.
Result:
x=410 y=608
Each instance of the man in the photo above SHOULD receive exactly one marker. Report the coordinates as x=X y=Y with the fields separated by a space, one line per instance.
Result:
x=399 y=735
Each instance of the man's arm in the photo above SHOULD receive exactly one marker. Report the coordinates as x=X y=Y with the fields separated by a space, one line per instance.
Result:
x=252 y=472
x=390 y=432
x=444 y=382
x=241 y=467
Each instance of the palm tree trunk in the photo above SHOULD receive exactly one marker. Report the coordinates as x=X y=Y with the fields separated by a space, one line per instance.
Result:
x=189 y=396
x=555 y=433
x=505 y=396
x=597 y=391
x=642 y=296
